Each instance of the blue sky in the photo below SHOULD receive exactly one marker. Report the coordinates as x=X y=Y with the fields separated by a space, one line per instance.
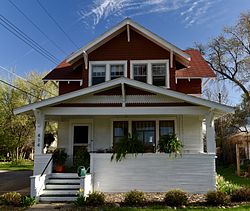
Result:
x=181 y=22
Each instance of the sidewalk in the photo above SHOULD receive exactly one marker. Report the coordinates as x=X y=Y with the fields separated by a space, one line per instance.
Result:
x=52 y=207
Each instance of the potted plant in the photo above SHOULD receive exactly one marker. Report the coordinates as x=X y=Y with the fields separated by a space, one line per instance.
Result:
x=130 y=144
x=170 y=144
x=59 y=159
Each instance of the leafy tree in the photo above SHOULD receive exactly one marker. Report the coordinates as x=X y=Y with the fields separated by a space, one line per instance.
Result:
x=17 y=131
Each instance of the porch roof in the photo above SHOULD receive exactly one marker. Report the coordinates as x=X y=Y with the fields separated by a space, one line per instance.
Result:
x=218 y=108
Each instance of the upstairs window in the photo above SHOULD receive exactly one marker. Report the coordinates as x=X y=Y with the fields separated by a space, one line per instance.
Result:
x=116 y=71
x=140 y=72
x=98 y=74
x=159 y=74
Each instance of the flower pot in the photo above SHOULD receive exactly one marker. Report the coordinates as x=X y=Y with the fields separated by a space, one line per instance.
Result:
x=59 y=169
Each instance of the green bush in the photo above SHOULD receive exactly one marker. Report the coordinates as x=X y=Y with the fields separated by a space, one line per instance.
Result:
x=95 y=199
x=11 y=198
x=134 y=198
x=176 y=198
x=225 y=186
x=81 y=158
x=28 y=201
x=80 y=201
x=241 y=194
x=170 y=144
x=216 y=198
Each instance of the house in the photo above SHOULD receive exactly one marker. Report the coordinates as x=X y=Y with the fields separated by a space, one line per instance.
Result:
x=129 y=80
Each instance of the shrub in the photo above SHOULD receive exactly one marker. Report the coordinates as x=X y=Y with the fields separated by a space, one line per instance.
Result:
x=241 y=194
x=217 y=198
x=81 y=158
x=225 y=186
x=176 y=198
x=11 y=198
x=134 y=197
x=80 y=201
x=170 y=144
x=96 y=198
x=28 y=201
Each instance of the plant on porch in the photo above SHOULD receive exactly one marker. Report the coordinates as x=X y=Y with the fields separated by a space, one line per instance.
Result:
x=59 y=159
x=130 y=144
x=170 y=144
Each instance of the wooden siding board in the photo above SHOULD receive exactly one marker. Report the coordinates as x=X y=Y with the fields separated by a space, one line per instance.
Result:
x=192 y=86
x=194 y=173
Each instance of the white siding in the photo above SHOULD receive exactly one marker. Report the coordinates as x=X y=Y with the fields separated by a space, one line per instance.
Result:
x=194 y=173
x=192 y=134
x=102 y=133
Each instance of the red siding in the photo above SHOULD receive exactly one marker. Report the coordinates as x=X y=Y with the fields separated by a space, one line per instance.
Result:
x=189 y=87
x=65 y=87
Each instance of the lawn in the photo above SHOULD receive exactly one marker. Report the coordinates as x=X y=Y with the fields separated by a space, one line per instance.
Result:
x=17 y=166
x=229 y=174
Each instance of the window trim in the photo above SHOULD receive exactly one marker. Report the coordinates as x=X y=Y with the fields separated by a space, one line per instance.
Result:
x=149 y=69
x=177 y=126
x=107 y=64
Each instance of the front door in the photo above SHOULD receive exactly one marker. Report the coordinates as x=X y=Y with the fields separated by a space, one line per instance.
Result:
x=81 y=137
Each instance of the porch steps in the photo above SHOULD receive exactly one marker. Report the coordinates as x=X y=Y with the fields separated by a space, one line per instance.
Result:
x=61 y=187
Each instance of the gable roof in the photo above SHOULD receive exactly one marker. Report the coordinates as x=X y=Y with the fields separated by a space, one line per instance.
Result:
x=109 y=84
x=198 y=67
x=143 y=31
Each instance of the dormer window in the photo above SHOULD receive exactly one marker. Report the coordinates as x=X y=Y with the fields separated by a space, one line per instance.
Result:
x=154 y=72
x=140 y=72
x=117 y=70
x=159 y=74
x=98 y=74
x=101 y=71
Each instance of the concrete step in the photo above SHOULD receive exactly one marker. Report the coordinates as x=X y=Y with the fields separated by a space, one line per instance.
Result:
x=62 y=186
x=58 y=198
x=64 y=175
x=63 y=180
x=60 y=191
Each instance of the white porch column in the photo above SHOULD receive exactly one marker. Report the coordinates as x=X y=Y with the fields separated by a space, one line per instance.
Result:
x=39 y=135
x=210 y=133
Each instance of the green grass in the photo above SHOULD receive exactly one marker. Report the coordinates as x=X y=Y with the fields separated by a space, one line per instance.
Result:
x=17 y=166
x=228 y=173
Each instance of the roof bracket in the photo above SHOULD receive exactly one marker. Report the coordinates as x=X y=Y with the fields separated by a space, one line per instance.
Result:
x=128 y=32
x=171 y=59
x=85 y=57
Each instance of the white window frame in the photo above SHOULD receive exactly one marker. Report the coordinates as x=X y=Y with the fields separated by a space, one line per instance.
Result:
x=157 y=125
x=107 y=64
x=149 y=69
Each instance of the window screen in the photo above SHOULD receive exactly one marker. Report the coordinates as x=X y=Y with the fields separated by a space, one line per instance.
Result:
x=140 y=72
x=166 y=127
x=81 y=134
x=117 y=70
x=98 y=74
x=159 y=74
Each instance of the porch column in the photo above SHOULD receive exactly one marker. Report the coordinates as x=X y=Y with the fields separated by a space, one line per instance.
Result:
x=210 y=133
x=39 y=135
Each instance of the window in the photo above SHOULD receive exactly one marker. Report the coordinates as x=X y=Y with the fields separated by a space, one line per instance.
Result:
x=166 y=127
x=145 y=130
x=159 y=74
x=116 y=71
x=120 y=130
x=98 y=74
x=81 y=134
x=140 y=72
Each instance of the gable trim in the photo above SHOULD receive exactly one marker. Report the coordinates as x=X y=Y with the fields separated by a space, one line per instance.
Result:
x=140 y=29
x=62 y=98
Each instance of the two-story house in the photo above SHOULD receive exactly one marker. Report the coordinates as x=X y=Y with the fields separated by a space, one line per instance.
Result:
x=129 y=80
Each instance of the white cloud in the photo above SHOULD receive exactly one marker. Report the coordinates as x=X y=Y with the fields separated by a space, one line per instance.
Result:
x=190 y=11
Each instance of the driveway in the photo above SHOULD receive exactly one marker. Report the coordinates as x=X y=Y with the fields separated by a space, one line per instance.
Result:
x=18 y=181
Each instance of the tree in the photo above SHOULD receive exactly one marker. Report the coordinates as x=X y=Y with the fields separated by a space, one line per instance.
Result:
x=17 y=131
x=229 y=55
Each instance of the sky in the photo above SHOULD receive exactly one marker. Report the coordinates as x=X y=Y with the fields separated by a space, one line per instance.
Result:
x=180 y=22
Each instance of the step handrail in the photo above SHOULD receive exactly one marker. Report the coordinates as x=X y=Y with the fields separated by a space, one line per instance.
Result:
x=47 y=165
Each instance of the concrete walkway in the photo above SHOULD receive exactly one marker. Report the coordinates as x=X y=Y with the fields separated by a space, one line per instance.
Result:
x=52 y=207
x=18 y=181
